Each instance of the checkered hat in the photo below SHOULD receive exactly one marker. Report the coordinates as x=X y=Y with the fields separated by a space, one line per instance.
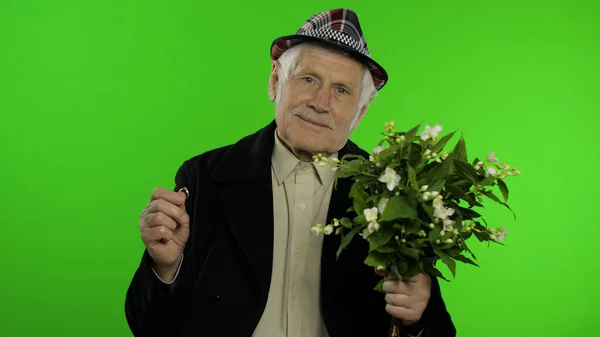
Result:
x=338 y=28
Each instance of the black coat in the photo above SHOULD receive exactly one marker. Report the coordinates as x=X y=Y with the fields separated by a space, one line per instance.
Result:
x=224 y=281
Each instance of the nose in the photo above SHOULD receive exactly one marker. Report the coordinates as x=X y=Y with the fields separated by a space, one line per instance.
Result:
x=320 y=100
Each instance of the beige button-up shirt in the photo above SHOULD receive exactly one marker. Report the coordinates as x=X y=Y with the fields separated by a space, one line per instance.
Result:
x=301 y=194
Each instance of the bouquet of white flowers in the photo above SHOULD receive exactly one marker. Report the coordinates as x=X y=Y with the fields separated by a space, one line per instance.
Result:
x=416 y=204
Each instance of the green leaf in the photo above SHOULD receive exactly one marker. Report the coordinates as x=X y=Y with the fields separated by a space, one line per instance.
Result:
x=492 y=196
x=412 y=178
x=414 y=269
x=398 y=207
x=466 y=171
x=360 y=219
x=346 y=239
x=439 y=174
x=442 y=142
x=410 y=252
x=376 y=259
x=415 y=155
x=380 y=238
x=503 y=188
x=388 y=248
x=433 y=271
x=464 y=259
x=466 y=213
x=447 y=260
x=460 y=150
x=347 y=223
x=455 y=191
x=356 y=158
x=379 y=286
x=412 y=132
x=359 y=196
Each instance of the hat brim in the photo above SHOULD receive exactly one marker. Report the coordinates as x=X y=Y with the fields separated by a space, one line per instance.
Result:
x=281 y=44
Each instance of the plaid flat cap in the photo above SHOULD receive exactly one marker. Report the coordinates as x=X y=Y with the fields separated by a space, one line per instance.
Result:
x=338 y=28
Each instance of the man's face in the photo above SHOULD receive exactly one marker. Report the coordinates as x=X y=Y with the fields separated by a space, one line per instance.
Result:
x=319 y=103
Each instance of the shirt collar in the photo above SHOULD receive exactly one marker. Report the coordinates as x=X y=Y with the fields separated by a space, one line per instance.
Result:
x=284 y=163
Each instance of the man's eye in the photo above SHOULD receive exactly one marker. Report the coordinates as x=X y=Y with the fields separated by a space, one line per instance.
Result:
x=308 y=80
x=341 y=91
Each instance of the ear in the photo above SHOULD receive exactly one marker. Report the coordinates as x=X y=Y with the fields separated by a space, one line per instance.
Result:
x=273 y=79
x=362 y=113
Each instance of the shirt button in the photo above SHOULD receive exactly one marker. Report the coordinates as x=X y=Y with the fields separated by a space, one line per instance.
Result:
x=302 y=206
x=294 y=296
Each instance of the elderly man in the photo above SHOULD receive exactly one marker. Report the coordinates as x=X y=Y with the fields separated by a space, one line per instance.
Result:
x=230 y=253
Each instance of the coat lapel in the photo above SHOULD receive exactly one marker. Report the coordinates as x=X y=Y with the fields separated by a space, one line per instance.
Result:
x=245 y=199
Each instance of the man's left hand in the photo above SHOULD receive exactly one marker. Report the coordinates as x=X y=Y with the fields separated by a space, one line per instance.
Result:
x=407 y=298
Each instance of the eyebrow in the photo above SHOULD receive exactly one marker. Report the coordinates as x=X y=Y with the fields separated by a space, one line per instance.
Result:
x=338 y=83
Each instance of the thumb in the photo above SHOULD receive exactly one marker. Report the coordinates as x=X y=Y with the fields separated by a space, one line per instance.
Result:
x=186 y=193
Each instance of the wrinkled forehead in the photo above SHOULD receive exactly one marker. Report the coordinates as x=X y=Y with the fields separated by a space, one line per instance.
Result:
x=330 y=65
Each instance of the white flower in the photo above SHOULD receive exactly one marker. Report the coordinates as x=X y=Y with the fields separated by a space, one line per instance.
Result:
x=336 y=222
x=370 y=214
x=492 y=158
x=516 y=171
x=501 y=233
x=390 y=178
x=448 y=241
x=437 y=203
x=432 y=226
x=424 y=188
x=431 y=132
x=490 y=171
x=328 y=229
x=317 y=229
x=371 y=159
x=435 y=194
x=377 y=150
x=445 y=155
x=443 y=212
x=335 y=160
x=373 y=227
x=448 y=225
x=382 y=203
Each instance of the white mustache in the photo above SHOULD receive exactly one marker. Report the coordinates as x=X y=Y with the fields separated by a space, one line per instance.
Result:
x=309 y=114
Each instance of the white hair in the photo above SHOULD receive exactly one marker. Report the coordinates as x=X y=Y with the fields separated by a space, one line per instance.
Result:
x=288 y=62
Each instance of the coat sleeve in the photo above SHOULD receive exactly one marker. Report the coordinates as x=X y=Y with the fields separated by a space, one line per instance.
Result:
x=153 y=308
x=436 y=319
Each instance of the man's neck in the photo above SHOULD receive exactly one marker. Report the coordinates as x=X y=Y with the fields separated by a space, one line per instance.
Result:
x=300 y=154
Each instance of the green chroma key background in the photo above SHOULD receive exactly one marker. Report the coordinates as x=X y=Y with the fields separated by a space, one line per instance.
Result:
x=101 y=101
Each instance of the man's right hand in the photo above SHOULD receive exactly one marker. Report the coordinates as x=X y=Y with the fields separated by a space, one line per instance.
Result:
x=165 y=228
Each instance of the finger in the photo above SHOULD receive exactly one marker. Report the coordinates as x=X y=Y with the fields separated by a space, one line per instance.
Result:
x=160 y=219
x=394 y=287
x=176 y=198
x=171 y=210
x=391 y=277
x=401 y=312
x=154 y=235
x=414 y=279
x=381 y=273
x=396 y=299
